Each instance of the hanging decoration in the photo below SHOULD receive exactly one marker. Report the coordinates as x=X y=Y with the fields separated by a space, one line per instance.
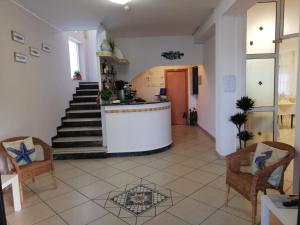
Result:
x=172 y=55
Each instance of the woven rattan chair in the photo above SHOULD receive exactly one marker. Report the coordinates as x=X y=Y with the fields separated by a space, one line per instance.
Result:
x=249 y=185
x=34 y=169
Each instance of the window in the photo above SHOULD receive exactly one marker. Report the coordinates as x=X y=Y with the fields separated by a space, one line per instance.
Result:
x=74 y=56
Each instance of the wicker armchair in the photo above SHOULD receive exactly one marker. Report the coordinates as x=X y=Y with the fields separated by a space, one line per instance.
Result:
x=34 y=169
x=249 y=185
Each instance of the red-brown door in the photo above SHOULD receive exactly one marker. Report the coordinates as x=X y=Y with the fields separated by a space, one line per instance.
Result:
x=177 y=92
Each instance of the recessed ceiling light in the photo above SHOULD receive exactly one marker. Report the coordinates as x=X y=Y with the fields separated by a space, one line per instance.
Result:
x=121 y=2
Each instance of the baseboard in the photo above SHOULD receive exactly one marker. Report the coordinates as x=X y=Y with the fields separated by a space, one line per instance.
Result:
x=207 y=133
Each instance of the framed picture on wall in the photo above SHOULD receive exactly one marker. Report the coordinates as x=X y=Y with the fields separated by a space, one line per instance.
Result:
x=17 y=37
x=34 y=52
x=20 y=57
x=46 y=47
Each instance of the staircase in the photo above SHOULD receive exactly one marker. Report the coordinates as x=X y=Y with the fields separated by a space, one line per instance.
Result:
x=80 y=135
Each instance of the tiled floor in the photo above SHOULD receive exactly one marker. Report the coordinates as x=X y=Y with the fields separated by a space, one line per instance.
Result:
x=190 y=169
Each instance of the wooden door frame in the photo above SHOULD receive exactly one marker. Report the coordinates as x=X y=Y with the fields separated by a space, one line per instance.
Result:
x=186 y=70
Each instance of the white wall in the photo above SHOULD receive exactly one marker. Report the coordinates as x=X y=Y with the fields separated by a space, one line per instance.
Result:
x=206 y=99
x=91 y=60
x=145 y=53
x=33 y=96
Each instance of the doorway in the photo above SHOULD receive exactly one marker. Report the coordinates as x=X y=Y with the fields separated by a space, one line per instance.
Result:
x=177 y=92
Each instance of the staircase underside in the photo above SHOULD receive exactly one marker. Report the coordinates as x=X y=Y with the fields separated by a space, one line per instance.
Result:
x=80 y=135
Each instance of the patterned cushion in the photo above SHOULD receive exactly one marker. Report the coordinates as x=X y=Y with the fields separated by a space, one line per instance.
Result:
x=267 y=156
x=23 y=151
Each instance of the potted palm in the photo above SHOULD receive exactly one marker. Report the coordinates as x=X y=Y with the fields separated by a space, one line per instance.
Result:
x=245 y=104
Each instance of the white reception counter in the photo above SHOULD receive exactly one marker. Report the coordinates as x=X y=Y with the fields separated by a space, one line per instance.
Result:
x=136 y=128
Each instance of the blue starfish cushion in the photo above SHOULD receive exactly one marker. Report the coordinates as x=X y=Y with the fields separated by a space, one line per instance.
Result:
x=23 y=151
x=265 y=156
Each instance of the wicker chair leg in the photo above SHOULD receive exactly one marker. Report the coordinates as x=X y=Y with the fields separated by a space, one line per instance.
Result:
x=227 y=191
x=54 y=179
x=33 y=179
x=254 y=210
x=21 y=192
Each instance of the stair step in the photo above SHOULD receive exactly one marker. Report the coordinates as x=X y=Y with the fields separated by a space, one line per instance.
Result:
x=81 y=122
x=88 y=86
x=67 y=129
x=84 y=92
x=85 y=111
x=84 y=98
x=84 y=105
x=79 y=131
x=79 y=150
x=68 y=142
x=77 y=139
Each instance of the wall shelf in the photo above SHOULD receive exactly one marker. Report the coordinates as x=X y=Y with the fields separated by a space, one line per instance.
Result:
x=112 y=57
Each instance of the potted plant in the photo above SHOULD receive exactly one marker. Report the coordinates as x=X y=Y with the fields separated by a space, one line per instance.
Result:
x=105 y=95
x=239 y=119
x=77 y=75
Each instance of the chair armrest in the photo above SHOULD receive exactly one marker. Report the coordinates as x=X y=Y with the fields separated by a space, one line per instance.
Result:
x=48 y=151
x=241 y=157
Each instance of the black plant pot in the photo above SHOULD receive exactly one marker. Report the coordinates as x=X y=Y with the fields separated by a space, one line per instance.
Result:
x=2 y=210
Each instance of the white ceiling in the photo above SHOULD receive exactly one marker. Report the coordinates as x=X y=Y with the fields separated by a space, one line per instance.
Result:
x=146 y=17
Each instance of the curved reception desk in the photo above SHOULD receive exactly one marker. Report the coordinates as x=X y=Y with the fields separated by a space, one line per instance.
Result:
x=136 y=128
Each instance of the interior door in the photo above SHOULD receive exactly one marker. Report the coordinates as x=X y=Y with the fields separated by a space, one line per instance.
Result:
x=263 y=35
x=177 y=92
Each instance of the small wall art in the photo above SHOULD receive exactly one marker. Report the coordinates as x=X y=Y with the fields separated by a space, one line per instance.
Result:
x=34 y=52
x=20 y=57
x=172 y=55
x=17 y=37
x=46 y=48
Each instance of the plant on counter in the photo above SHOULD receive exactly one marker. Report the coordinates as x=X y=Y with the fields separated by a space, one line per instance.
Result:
x=77 y=75
x=105 y=94
x=246 y=104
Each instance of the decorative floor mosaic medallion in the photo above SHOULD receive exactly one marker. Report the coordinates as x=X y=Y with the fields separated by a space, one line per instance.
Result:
x=139 y=199
x=138 y=202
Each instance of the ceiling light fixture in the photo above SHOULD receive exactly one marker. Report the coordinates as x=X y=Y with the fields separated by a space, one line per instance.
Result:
x=121 y=2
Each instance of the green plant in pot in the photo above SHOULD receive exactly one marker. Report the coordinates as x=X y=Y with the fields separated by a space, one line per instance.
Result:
x=77 y=75
x=245 y=104
x=105 y=94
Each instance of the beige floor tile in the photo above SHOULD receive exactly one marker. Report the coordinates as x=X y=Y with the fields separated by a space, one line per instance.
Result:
x=127 y=165
x=222 y=218
x=81 y=181
x=40 y=181
x=160 y=164
x=69 y=173
x=66 y=201
x=121 y=179
x=194 y=163
x=175 y=158
x=161 y=178
x=55 y=220
x=83 y=214
x=90 y=166
x=184 y=186
x=178 y=170
x=166 y=219
x=109 y=219
x=201 y=176
x=106 y=172
x=144 y=159
x=219 y=183
x=214 y=168
x=191 y=211
x=211 y=196
x=31 y=215
x=50 y=192
x=142 y=171
x=62 y=166
x=207 y=156
x=241 y=207
x=96 y=189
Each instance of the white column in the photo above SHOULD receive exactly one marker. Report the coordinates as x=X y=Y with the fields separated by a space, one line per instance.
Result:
x=230 y=60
